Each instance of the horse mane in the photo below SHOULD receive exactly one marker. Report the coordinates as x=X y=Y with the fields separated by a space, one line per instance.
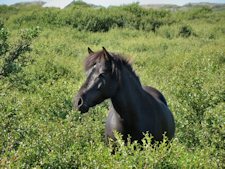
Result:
x=117 y=62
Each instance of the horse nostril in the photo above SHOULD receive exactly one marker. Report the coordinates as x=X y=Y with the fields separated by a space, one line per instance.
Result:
x=80 y=102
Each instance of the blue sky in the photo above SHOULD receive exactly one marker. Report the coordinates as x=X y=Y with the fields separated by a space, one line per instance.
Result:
x=62 y=3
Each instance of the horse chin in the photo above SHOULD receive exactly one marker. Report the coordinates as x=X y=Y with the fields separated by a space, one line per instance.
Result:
x=84 y=109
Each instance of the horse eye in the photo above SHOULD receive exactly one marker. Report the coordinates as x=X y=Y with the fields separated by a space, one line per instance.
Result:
x=100 y=85
x=102 y=81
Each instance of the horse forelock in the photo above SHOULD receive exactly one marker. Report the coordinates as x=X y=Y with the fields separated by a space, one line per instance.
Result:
x=116 y=60
x=92 y=59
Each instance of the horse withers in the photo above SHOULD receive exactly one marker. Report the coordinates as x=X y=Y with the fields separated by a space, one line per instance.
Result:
x=134 y=109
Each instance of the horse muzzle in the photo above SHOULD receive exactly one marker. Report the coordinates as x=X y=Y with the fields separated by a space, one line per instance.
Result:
x=81 y=105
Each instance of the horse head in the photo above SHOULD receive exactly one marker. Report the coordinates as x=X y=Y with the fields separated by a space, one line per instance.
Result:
x=101 y=82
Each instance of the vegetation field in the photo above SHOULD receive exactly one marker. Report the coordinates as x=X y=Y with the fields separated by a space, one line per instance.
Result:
x=42 y=51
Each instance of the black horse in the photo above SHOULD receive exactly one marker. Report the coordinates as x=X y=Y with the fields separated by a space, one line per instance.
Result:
x=135 y=109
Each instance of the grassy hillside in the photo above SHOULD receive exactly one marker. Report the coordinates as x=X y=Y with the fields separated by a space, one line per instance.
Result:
x=41 y=66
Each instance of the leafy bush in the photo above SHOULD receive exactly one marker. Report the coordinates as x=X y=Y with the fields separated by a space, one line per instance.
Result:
x=185 y=31
x=3 y=39
x=199 y=12
x=11 y=54
x=85 y=18
x=168 y=32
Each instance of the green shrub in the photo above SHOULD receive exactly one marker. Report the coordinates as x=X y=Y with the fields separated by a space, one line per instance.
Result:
x=169 y=32
x=185 y=31
x=11 y=59
x=199 y=12
x=3 y=39
x=86 y=18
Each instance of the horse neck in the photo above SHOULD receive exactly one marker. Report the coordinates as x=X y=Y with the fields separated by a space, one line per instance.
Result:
x=127 y=100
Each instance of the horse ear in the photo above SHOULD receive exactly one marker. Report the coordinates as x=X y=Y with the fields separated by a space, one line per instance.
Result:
x=90 y=51
x=107 y=55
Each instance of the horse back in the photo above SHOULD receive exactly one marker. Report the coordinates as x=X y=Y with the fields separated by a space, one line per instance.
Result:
x=155 y=93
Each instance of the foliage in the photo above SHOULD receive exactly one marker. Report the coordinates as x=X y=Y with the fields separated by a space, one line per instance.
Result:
x=185 y=31
x=11 y=54
x=199 y=12
x=84 y=17
x=3 y=39
x=180 y=55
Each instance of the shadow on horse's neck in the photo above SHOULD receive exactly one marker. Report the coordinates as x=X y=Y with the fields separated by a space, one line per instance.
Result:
x=127 y=99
